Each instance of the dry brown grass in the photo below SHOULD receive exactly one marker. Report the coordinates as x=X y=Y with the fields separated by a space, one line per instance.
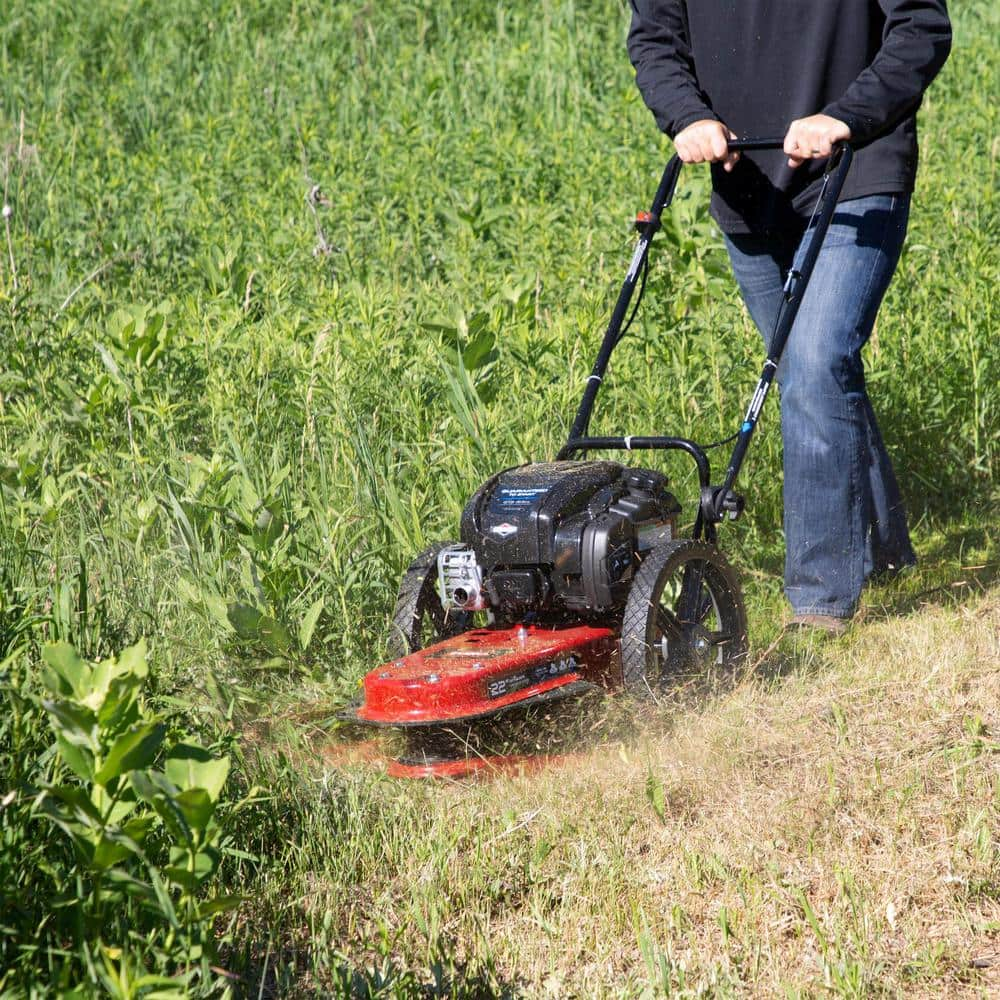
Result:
x=831 y=828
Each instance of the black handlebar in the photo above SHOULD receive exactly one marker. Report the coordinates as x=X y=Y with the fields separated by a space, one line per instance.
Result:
x=761 y=145
x=749 y=145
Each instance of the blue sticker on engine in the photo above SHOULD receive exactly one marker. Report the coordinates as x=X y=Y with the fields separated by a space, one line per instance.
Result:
x=518 y=498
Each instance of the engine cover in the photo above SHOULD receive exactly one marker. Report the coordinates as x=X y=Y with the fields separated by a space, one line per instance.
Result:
x=565 y=534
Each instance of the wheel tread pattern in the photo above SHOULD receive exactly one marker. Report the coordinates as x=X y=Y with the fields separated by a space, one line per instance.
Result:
x=644 y=595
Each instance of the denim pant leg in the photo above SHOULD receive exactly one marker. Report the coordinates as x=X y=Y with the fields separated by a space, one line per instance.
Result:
x=844 y=517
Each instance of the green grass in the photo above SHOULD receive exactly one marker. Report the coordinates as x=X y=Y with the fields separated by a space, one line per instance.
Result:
x=282 y=284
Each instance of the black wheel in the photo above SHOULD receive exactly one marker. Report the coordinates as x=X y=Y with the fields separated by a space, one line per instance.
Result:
x=419 y=620
x=684 y=614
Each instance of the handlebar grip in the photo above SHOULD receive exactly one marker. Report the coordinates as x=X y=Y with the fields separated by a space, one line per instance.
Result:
x=748 y=145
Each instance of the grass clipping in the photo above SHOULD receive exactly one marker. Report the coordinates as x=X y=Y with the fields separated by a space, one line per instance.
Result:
x=831 y=825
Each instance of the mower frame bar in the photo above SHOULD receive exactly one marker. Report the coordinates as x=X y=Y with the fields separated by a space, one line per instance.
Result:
x=664 y=195
x=643 y=444
x=715 y=501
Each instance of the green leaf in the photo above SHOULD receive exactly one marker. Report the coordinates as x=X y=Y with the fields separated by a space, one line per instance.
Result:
x=75 y=803
x=154 y=788
x=810 y=915
x=269 y=525
x=189 y=876
x=74 y=723
x=275 y=636
x=125 y=804
x=166 y=904
x=216 y=607
x=197 y=806
x=79 y=759
x=119 y=709
x=133 y=660
x=108 y=853
x=118 y=843
x=189 y=766
x=130 y=884
x=77 y=993
x=70 y=809
x=221 y=904
x=442 y=326
x=541 y=851
x=172 y=990
x=138 y=827
x=115 y=681
x=655 y=795
x=132 y=751
x=479 y=350
x=308 y=624
x=245 y=620
x=69 y=667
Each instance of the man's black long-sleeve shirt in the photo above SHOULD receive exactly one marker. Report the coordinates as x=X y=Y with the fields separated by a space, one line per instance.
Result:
x=756 y=65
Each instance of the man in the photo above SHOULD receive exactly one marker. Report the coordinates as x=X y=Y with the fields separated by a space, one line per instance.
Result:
x=817 y=72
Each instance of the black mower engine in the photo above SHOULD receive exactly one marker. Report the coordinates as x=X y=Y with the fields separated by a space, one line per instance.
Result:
x=553 y=537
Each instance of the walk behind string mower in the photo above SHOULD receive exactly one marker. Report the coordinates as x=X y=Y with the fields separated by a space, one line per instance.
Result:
x=570 y=575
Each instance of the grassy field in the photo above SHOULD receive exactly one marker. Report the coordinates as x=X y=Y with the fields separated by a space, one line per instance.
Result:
x=280 y=284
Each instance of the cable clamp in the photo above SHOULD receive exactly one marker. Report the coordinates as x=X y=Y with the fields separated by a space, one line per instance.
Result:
x=793 y=276
x=628 y=442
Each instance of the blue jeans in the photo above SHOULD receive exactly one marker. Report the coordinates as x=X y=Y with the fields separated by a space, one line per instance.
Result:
x=844 y=518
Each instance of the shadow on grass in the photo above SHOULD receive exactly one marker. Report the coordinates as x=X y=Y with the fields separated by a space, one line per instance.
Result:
x=451 y=980
x=292 y=972
x=943 y=575
x=958 y=562
x=515 y=741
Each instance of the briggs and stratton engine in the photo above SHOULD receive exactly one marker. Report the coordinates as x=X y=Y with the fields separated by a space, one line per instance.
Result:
x=555 y=536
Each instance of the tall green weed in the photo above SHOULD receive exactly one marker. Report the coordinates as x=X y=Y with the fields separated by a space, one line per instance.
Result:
x=120 y=898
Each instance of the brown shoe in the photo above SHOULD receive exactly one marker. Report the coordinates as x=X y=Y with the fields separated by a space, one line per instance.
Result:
x=822 y=623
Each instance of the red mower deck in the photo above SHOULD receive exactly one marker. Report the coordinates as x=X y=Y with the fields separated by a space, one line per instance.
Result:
x=486 y=671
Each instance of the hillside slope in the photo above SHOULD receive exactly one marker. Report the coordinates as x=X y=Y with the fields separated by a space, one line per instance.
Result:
x=828 y=821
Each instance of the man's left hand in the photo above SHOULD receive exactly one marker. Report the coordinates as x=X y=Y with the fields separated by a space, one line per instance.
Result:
x=812 y=138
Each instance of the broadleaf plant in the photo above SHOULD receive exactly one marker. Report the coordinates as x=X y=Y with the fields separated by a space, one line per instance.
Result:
x=142 y=834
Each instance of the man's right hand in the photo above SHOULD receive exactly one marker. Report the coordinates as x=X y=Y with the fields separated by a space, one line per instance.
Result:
x=706 y=141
